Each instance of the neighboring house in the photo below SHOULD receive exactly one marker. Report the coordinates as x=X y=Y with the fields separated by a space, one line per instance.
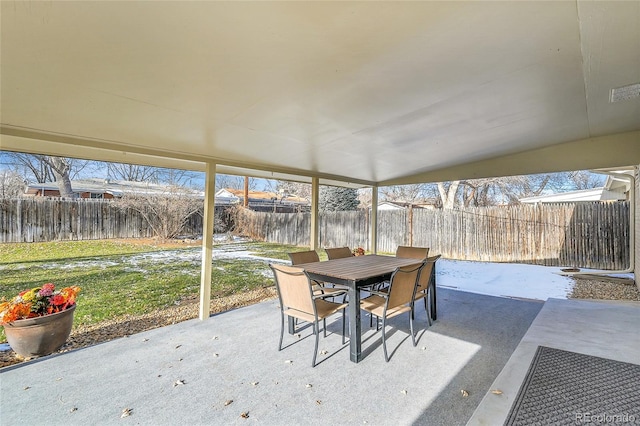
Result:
x=225 y=197
x=99 y=188
x=595 y=194
x=615 y=189
x=388 y=205
x=263 y=200
x=108 y=189
x=399 y=205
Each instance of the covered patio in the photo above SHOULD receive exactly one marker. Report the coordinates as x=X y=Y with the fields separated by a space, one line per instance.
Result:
x=329 y=93
x=211 y=372
x=234 y=356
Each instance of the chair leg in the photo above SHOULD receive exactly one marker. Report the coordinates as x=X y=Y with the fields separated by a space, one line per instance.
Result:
x=315 y=351
x=413 y=337
x=427 y=307
x=343 y=325
x=281 y=330
x=324 y=327
x=384 y=343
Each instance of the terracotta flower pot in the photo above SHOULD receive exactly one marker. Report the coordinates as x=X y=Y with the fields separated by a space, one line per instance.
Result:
x=40 y=336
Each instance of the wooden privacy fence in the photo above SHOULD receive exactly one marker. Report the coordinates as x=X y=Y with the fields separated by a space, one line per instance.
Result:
x=336 y=228
x=52 y=219
x=585 y=235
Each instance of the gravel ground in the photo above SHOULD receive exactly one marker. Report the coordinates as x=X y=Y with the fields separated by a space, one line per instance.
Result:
x=124 y=326
x=604 y=290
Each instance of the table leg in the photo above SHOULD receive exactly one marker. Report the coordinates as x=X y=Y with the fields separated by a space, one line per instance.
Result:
x=355 y=342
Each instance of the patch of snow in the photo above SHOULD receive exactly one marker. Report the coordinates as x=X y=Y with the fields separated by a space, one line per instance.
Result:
x=81 y=264
x=503 y=279
x=495 y=279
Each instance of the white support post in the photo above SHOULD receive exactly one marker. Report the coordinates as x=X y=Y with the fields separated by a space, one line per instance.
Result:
x=207 y=241
x=315 y=224
x=374 y=220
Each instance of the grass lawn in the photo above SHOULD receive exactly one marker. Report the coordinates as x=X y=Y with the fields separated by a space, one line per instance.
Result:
x=128 y=277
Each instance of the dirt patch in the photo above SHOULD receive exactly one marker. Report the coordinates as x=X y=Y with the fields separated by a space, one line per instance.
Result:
x=131 y=324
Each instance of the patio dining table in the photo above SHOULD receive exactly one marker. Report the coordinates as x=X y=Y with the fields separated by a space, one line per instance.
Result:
x=355 y=273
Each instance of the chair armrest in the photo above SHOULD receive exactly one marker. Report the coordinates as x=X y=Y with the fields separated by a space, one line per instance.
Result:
x=379 y=293
x=332 y=294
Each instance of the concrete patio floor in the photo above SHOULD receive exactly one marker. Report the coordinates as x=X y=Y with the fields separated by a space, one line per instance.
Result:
x=600 y=328
x=184 y=374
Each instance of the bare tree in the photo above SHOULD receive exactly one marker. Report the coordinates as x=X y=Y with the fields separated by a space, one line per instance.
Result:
x=302 y=190
x=30 y=165
x=61 y=168
x=477 y=192
x=493 y=191
x=405 y=193
x=365 y=195
x=166 y=213
x=138 y=173
x=505 y=189
x=11 y=184
x=234 y=182
x=584 y=179
x=46 y=168
x=448 y=192
x=132 y=172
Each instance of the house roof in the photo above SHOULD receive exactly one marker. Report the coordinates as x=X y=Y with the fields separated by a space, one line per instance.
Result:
x=117 y=188
x=265 y=196
x=359 y=93
x=616 y=187
x=401 y=205
x=593 y=194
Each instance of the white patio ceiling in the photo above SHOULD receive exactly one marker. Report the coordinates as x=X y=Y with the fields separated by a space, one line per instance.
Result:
x=363 y=92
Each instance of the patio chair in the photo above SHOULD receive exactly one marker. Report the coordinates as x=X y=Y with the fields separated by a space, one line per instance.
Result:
x=425 y=283
x=419 y=253
x=397 y=300
x=298 y=301
x=338 y=253
x=318 y=288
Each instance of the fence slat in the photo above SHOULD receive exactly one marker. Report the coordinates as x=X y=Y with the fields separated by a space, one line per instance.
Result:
x=53 y=219
x=585 y=235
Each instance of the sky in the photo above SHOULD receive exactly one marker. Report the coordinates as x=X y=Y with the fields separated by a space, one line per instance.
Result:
x=191 y=179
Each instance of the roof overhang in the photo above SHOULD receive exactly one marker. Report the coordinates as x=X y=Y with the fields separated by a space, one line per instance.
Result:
x=350 y=93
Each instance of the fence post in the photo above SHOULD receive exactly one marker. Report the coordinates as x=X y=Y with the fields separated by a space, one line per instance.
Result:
x=410 y=225
x=19 y=220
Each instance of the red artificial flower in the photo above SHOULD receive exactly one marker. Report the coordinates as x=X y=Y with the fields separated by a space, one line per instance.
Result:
x=37 y=302
x=57 y=300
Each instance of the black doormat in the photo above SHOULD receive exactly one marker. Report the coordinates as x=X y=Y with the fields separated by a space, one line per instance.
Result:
x=567 y=388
